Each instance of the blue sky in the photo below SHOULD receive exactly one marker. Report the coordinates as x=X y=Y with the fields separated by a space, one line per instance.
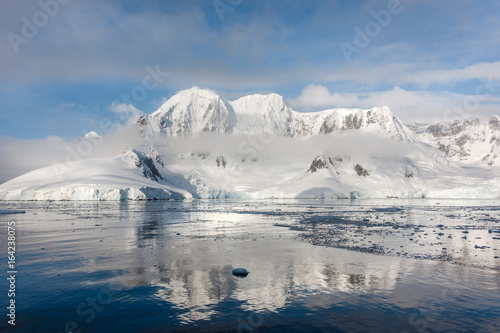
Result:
x=429 y=60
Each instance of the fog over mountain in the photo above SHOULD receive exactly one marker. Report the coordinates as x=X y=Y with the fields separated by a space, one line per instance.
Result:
x=198 y=144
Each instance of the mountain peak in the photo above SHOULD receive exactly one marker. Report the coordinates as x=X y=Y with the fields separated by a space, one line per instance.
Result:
x=494 y=122
x=197 y=110
x=186 y=98
x=92 y=135
x=260 y=104
x=191 y=111
x=197 y=91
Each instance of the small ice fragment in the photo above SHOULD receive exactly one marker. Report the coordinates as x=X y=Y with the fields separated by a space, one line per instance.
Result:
x=12 y=211
x=240 y=272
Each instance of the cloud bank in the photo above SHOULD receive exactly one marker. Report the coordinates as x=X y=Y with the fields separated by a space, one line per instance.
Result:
x=419 y=105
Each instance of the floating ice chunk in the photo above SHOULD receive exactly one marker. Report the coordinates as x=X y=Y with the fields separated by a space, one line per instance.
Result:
x=388 y=209
x=12 y=211
x=240 y=272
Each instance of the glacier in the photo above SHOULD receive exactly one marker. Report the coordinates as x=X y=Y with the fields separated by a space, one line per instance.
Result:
x=200 y=145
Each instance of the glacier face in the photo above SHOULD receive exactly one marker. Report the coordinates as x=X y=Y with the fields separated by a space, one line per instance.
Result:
x=127 y=176
x=198 y=144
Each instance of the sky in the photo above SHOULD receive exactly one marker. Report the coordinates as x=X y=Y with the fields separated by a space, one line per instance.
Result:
x=68 y=66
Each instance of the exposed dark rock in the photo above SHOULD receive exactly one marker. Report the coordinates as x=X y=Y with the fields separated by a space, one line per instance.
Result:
x=361 y=171
x=490 y=158
x=325 y=128
x=462 y=140
x=351 y=122
x=317 y=164
x=437 y=130
x=203 y=156
x=443 y=148
x=494 y=124
x=221 y=161
x=165 y=123
x=159 y=159
x=335 y=159
x=147 y=166
x=142 y=121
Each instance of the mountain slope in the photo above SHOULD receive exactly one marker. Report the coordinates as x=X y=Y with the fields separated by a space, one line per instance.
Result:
x=197 y=110
x=124 y=177
x=198 y=144
x=467 y=141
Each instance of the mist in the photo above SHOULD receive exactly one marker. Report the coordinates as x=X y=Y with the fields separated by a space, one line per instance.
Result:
x=285 y=149
x=21 y=156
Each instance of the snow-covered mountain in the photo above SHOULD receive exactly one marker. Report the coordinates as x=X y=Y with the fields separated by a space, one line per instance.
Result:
x=197 y=110
x=468 y=141
x=198 y=144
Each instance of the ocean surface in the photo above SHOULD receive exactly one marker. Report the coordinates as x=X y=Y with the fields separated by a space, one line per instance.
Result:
x=315 y=266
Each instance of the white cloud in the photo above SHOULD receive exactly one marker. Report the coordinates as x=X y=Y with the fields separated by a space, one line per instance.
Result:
x=408 y=105
x=70 y=106
x=126 y=112
x=21 y=156
x=92 y=41
x=490 y=70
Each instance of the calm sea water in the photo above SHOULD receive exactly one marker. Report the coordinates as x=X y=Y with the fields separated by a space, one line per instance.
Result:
x=315 y=266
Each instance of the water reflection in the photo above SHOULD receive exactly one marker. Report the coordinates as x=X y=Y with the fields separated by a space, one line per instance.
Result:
x=270 y=288
x=187 y=256
x=194 y=274
x=179 y=256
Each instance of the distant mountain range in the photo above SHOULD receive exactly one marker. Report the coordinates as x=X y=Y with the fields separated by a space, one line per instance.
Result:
x=196 y=110
x=468 y=141
x=198 y=144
